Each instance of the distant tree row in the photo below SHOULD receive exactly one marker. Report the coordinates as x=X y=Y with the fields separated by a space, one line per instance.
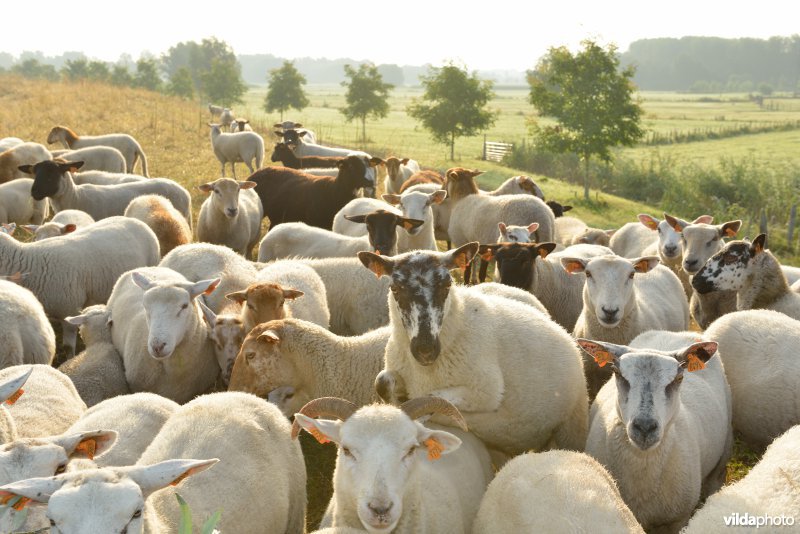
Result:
x=714 y=64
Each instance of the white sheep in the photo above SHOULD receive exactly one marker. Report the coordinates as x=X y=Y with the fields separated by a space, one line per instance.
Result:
x=567 y=229
x=310 y=361
x=623 y=298
x=767 y=498
x=9 y=142
x=97 y=372
x=215 y=111
x=231 y=215
x=168 y=224
x=594 y=236
x=226 y=117
x=554 y=491
x=23 y=154
x=10 y=391
x=17 y=206
x=393 y=474
x=237 y=147
x=750 y=270
x=95 y=158
x=397 y=172
x=631 y=240
x=62 y=223
x=759 y=351
x=117 y=499
x=25 y=332
x=474 y=350
x=53 y=179
x=136 y=418
x=419 y=206
x=518 y=185
x=79 y=269
x=160 y=333
x=512 y=233
x=203 y=261
x=663 y=434
x=510 y=292
x=313 y=306
x=130 y=148
x=533 y=267
x=240 y=125
x=105 y=178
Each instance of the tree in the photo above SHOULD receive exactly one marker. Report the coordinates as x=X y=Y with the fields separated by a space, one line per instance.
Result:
x=367 y=95
x=147 y=74
x=180 y=84
x=223 y=83
x=98 y=71
x=590 y=98
x=74 y=70
x=121 y=76
x=285 y=89
x=199 y=59
x=453 y=105
x=31 y=68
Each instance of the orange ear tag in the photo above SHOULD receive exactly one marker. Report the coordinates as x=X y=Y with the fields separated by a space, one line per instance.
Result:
x=434 y=448
x=15 y=397
x=319 y=436
x=6 y=498
x=88 y=447
x=695 y=363
x=602 y=357
x=21 y=503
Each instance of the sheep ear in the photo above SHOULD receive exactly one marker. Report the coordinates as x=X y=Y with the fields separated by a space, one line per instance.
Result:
x=86 y=444
x=462 y=256
x=247 y=185
x=566 y=208
x=611 y=232
x=11 y=390
x=277 y=125
x=302 y=134
x=141 y=280
x=729 y=229
x=68 y=228
x=603 y=353
x=376 y=263
x=502 y=227
x=394 y=200
x=76 y=320
x=409 y=224
x=356 y=218
x=30 y=227
x=437 y=197
x=203 y=287
x=487 y=252
x=674 y=223
x=206 y=188
x=648 y=221
x=438 y=442
x=703 y=219
x=30 y=491
x=573 y=265
x=279 y=134
x=375 y=161
x=70 y=166
x=543 y=249
x=292 y=294
x=404 y=161
x=154 y=477
x=297 y=125
x=237 y=296
x=27 y=169
x=323 y=430
x=532 y=227
x=694 y=357
x=208 y=314
x=270 y=337
x=645 y=264
x=758 y=245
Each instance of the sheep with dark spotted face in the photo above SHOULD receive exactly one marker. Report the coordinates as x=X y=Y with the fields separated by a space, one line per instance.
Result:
x=493 y=374
x=750 y=270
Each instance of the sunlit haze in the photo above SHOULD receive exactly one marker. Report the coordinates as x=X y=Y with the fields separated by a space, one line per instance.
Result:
x=497 y=34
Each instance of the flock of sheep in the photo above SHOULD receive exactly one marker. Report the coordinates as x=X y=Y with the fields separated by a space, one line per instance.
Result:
x=566 y=396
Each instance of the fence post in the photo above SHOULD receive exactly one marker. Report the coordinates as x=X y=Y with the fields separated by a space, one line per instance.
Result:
x=484 y=147
x=762 y=225
x=790 y=231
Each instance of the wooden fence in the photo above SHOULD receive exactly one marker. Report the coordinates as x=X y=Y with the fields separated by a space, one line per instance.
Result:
x=495 y=151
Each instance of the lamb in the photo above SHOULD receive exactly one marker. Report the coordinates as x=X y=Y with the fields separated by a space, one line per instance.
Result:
x=17 y=206
x=753 y=273
x=237 y=147
x=554 y=491
x=290 y=195
x=167 y=223
x=289 y=159
x=231 y=215
x=114 y=499
x=508 y=234
x=299 y=239
x=53 y=179
x=95 y=158
x=759 y=351
x=417 y=205
x=310 y=362
x=226 y=117
x=160 y=333
x=486 y=372
x=62 y=223
x=518 y=185
x=25 y=332
x=623 y=298
x=313 y=306
x=136 y=418
x=594 y=236
x=97 y=372
x=387 y=461
x=533 y=267
x=663 y=434
x=397 y=172
x=203 y=261
x=23 y=154
x=130 y=148
x=769 y=495
x=79 y=269
x=241 y=125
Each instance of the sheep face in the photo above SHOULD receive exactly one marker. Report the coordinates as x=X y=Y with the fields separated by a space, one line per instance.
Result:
x=48 y=176
x=227 y=334
x=648 y=383
x=516 y=234
x=263 y=302
x=354 y=174
x=420 y=289
x=557 y=208
x=94 y=324
x=701 y=241
x=416 y=205
x=225 y=195
x=170 y=310
x=669 y=241
x=515 y=261
x=609 y=289
x=728 y=268
x=281 y=152
x=593 y=236
x=380 y=449
x=381 y=226
x=45 y=457
x=103 y=500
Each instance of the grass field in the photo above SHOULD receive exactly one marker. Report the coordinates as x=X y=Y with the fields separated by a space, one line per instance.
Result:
x=176 y=140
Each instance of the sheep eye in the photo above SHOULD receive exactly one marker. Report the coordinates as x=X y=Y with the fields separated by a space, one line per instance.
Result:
x=249 y=356
x=411 y=451
x=52 y=523
x=728 y=259
x=216 y=191
x=347 y=453
x=185 y=306
x=61 y=468
x=136 y=514
x=659 y=229
x=683 y=238
x=251 y=307
x=630 y=276
x=588 y=274
x=395 y=288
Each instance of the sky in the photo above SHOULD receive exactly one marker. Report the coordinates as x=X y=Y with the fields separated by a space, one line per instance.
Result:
x=487 y=34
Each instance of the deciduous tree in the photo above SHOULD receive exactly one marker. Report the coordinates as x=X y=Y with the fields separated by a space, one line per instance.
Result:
x=285 y=90
x=367 y=95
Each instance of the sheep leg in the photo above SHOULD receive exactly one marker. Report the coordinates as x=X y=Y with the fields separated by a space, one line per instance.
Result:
x=223 y=169
x=233 y=169
x=482 y=275
x=468 y=274
x=478 y=262
x=69 y=337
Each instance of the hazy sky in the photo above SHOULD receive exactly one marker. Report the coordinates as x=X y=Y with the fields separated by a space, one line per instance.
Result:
x=483 y=34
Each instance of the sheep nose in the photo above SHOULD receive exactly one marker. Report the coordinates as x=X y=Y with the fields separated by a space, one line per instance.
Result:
x=379 y=509
x=158 y=348
x=645 y=425
x=610 y=314
x=232 y=212
x=690 y=266
x=670 y=250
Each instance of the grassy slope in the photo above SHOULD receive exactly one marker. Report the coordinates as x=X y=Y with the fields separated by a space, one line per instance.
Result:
x=174 y=136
